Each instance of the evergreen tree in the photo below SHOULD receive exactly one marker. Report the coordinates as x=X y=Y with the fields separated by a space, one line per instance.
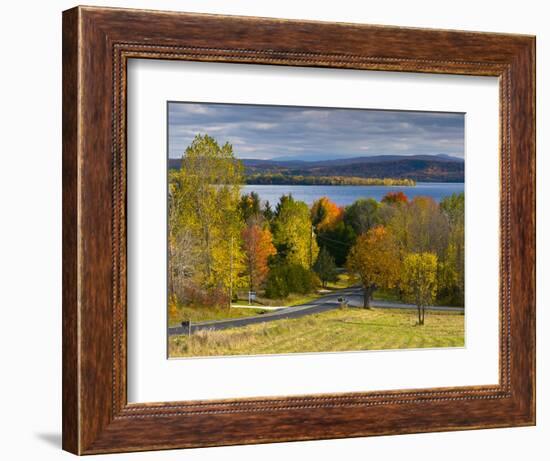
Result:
x=325 y=267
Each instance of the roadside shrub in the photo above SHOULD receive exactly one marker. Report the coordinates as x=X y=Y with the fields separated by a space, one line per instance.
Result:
x=299 y=279
x=201 y=297
x=276 y=285
x=172 y=308
x=286 y=278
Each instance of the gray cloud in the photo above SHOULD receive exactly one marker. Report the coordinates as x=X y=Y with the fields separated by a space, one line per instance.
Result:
x=271 y=132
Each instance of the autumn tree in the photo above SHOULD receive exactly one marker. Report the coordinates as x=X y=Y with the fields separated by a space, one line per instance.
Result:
x=374 y=260
x=419 y=226
x=183 y=251
x=332 y=233
x=419 y=281
x=293 y=233
x=428 y=228
x=325 y=267
x=451 y=266
x=258 y=247
x=325 y=214
x=453 y=207
x=205 y=194
x=395 y=198
x=182 y=258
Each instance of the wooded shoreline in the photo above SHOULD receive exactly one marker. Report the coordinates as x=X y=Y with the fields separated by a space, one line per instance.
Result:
x=300 y=180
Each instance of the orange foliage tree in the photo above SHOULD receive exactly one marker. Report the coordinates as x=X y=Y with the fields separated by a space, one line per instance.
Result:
x=375 y=261
x=395 y=198
x=258 y=247
x=325 y=214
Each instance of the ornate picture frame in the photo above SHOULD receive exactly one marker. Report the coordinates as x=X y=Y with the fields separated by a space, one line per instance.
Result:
x=97 y=44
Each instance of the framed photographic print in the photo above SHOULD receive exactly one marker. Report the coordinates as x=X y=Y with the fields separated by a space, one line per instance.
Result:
x=333 y=239
x=281 y=230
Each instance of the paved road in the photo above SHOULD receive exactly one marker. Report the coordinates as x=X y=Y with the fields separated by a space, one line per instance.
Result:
x=356 y=300
x=354 y=296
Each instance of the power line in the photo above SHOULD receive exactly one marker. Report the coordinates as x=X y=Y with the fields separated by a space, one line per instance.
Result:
x=334 y=241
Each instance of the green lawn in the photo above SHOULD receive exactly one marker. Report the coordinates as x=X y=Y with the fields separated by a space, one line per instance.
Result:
x=342 y=282
x=337 y=330
x=387 y=295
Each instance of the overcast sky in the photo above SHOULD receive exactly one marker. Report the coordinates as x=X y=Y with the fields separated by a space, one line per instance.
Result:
x=308 y=133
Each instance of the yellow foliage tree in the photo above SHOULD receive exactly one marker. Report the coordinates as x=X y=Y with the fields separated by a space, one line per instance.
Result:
x=293 y=233
x=204 y=199
x=419 y=280
x=374 y=260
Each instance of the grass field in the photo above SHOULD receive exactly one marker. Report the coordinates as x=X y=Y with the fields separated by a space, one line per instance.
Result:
x=337 y=330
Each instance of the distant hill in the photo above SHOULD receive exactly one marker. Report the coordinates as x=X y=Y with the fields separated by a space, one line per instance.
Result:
x=422 y=168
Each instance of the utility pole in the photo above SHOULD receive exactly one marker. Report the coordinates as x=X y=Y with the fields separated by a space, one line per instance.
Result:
x=231 y=272
x=310 y=248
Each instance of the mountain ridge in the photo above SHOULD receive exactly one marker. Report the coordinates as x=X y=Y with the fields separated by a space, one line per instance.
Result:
x=422 y=168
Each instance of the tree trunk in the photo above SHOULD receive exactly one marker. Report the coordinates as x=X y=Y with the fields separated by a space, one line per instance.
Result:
x=421 y=311
x=170 y=272
x=367 y=295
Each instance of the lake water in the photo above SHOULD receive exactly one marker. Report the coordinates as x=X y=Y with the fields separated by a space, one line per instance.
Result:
x=346 y=195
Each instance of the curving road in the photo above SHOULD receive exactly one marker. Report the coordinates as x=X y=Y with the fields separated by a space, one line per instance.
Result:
x=354 y=296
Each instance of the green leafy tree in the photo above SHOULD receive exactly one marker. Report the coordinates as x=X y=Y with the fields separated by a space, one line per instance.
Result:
x=338 y=241
x=419 y=281
x=363 y=215
x=325 y=267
